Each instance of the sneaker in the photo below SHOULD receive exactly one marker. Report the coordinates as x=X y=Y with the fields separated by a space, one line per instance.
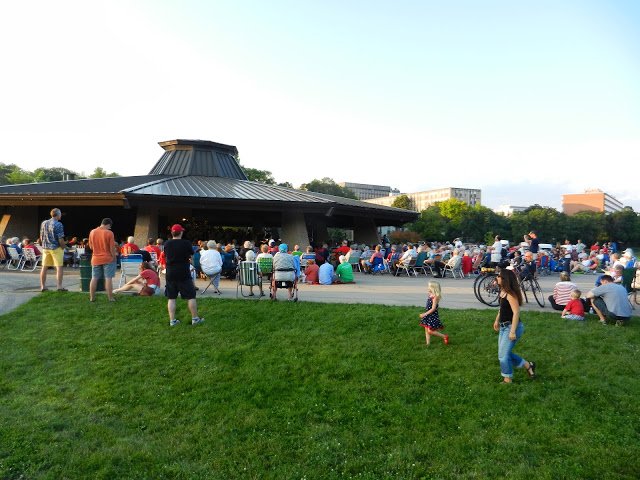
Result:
x=173 y=323
x=196 y=321
x=446 y=339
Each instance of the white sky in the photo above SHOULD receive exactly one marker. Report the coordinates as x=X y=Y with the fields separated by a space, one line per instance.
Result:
x=525 y=100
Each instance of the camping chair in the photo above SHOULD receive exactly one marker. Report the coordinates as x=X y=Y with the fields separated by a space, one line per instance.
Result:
x=266 y=267
x=129 y=267
x=248 y=276
x=407 y=267
x=378 y=265
x=543 y=267
x=211 y=278
x=15 y=260
x=354 y=261
x=29 y=255
x=453 y=265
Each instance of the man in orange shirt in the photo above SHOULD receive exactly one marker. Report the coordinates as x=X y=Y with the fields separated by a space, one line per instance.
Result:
x=103 y=260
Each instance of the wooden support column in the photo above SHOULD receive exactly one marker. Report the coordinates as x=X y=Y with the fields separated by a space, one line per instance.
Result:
x=294 y=229
x=146 y=225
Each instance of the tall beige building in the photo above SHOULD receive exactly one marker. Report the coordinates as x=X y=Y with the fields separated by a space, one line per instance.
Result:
x=422 y=200
x=591 y=200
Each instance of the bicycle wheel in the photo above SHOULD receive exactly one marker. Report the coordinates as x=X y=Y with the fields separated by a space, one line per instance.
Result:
x=537 y=292
x=489 y=290
x=523 y=289
x=476 y=283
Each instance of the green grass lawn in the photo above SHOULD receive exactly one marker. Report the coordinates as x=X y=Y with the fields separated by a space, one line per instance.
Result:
x=306 y=390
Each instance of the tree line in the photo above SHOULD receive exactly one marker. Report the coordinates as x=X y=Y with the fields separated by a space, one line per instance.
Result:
x=11 y=174
x=441 y=221
x=454 y=218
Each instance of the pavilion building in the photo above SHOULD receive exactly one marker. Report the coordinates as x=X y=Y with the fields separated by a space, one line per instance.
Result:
x=193 y=179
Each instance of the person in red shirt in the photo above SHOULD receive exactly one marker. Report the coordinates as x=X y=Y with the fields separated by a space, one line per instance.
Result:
x=153 y=248
x=311 y=273
x=147 y=281
x=574 y=310
x=129 y=247
x=343 y=249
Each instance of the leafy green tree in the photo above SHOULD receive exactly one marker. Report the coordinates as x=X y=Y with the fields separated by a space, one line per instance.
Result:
x=18 y=176
x=5 y=171
x=587 y=226
x=260 y=176
x=53 y=174
x=329 y=187
x=430 y=225
x=100 y=172
x=478 y=221
x=403 y=201
x=547 y=222
x=285 y=184
x=624 y=226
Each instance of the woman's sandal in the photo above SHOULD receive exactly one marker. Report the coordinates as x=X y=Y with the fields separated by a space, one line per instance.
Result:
x=532 y=370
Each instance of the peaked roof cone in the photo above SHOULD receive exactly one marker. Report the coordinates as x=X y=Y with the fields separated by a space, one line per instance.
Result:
x=198 y=157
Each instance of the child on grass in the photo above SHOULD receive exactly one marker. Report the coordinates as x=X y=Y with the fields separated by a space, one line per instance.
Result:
x=574 y=310
x=430 y=319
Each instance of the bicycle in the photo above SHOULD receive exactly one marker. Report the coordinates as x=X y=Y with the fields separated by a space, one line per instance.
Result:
x=486 y=288
x=530 y=283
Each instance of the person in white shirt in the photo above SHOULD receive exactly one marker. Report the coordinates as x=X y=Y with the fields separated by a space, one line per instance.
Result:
x=211 y=264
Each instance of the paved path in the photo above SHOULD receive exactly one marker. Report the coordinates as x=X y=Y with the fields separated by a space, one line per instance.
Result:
x=18 y=287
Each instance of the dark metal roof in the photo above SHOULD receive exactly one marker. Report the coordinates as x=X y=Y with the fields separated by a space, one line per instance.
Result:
x=221 y=188
x=198 y=157
x=87 y=185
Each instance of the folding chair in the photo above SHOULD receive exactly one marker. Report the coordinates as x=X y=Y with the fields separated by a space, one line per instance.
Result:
x=129 y=267
x=15 y=260
x=29 y=255
x=407 y=267
x=453 y=267
x=354 y=261
x=266 y=267
x=420 y=265
x=248 y=276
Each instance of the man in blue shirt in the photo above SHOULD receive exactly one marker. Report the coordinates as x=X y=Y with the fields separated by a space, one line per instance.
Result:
x=325 y=274
x=53 y=243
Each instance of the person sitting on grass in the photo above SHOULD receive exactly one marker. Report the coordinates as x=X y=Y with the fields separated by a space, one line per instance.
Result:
x=147 y=283
x=325 y=274
x=311 y=273
x=610 y=302
x=574 y=310
x=344 y=272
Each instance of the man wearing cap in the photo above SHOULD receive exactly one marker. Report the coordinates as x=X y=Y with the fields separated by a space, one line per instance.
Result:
x=177 y=253
x=103 y=258
x=53 y=243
